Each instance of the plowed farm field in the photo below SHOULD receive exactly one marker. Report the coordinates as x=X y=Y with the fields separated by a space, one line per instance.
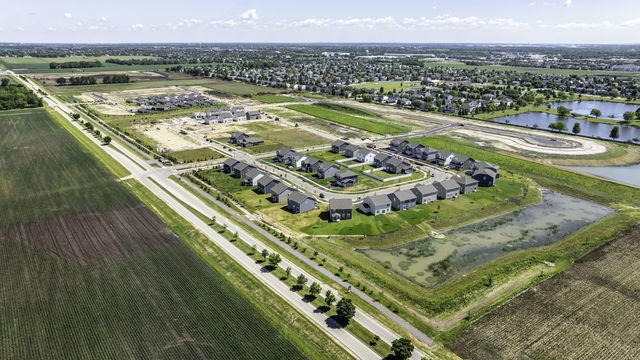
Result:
x=591 y=311
x=88 y=272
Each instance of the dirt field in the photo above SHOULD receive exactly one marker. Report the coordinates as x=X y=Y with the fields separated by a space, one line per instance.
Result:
x=588 y=312
x=169 y=139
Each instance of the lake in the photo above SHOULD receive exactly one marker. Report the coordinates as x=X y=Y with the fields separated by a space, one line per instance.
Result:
x=607 y=108
x=431 y=261
x=624 y=174
x=588 y=128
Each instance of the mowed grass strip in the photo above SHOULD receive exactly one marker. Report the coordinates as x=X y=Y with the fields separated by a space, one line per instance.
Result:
x=90 y=273
x=374 y=126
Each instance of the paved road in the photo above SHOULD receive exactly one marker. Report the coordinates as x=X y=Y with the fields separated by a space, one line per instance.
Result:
x=147 y=175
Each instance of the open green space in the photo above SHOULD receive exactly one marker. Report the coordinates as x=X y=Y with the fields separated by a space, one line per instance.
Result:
x=27 y=65
x=276 y=136
x=193 y=155
x=347 y=109
x=90 y=271
x=381 y=127
x=276 y=99
x=395 y=86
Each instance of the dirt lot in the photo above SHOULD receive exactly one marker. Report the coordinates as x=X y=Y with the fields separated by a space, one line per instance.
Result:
x=167 y=138
x=588 y=312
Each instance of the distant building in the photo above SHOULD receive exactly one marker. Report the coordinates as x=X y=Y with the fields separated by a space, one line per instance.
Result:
x=397 y=166
x=345 y=178
x=252 y=115
x=447 y=189
x=340 y=209
x=380 y=160
x=349 y=150
x=467 y=184
x=327 y=170
x=425 y=194
x=280 y=192
x=365 y=156
x=252 y=176
x=311 y=164
x=236 y=137
x=299 y=202
x=338 y=146
x=403 y=200
x=376 y=205
x=265 y=184
x=227 y=165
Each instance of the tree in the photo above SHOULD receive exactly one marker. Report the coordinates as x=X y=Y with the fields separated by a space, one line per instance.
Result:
x=5 y=82
x=301 y=280
x=107 y=140
x=61 y=81
x=402 y=348
x=596 y=113
x=539 y=101
x=265 y=254
x=563 y=110
x=274 y=260
x=75 y=116
x=576 y=128
x=345 y=310
x=329 y=298
x=558 y=125
x=628 y=115
x=88 y=125
x=314 y=289
x=287 y=272
x=367 y=98
x=615 y=132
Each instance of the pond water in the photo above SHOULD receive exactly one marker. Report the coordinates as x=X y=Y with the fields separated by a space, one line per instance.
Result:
x=588 y=128
x=624 y=174
x=607 y=108
x=430 y=261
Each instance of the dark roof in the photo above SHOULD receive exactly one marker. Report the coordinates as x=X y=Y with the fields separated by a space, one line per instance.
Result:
x=251 y=173
x=339 y=143
x=340 y=204
x=283 y=151
x=345 y=173
x=351 y=147
x=266 y=180
x=423 y=189
x=279 y=188
x=404 y=195
x=448 y=185
x=240 y=165
x=465 y=180
x=394 y=162
x=379 y=200
x=382 y=157
x=299 y=197
x=230 y=162
x=326 y=166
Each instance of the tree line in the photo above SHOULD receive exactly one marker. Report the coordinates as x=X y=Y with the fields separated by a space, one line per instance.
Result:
x=91 y=80
x=74 y=64
x=16 y=96
x=115 y=79
x=145 y=61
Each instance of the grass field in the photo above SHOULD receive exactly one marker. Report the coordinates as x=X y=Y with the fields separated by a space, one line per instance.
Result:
x=588 y=312
x=348 y=109
x=187 y=156
x=381 y=127
x=276 y=136
x=90 y=272
x=276 y=99
x=395 y=86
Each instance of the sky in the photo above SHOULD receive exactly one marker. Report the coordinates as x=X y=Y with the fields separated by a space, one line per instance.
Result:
x=416 y=21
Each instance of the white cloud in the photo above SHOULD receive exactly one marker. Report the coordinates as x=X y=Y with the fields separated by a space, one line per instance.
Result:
x=250 y=15
x=103 y=18
x=599 y=25
x=438 y=22
x=92 y=28
x=51 y=28
x=68 y=15
x=20 y=28
x=568 y=3
x=79 y=23
x=223 y=23
x=137 y=26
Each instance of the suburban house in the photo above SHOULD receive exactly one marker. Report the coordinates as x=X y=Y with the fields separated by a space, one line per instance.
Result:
x=461 y=162
x=254 y=114
x=283 y=153
x=380 y=160
x=227 y=165
x=365 y=155
x=443 y=158
x=238 y=167
x=425 y=194
x=280 y=192
x=350 y=150
x=403 y=200
x=467 y=184
x=265 y=184
x=398 y=145
x=327 y=170
x=397 y=166
x=299 y=202
x=236 y=137
x=426 y=153
x=250 y=141
x=241 y=171
x=338 y=146
x=252 y=176
x=412 y=147
x=340 y=209
x=310 y=164
x=376 y=205
x=345 y=178
x=296 y=160
x=485 y=177
x=447 y=189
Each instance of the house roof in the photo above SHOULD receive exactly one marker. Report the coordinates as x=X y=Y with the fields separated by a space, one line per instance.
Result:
x=403 y=195
x=448 y=185
x=283 y=151
x=460 y=158
x=299 y=197
x=382 y=157
x=266 y=180
x=345 y=174
x=252 y=140
x=238 y=134
x=339 y=143
x=395 y=162
x=310 y=160
x=340 y=204
x=465 y=180
x=252 y=173
x=279 y=188
x=230 y=162
x=485 y=171
x=444 y=154
x=326 y=166
x=364 y=152
x=379 y=200
x=423 y=189
x=351 y=147
x=240 y=165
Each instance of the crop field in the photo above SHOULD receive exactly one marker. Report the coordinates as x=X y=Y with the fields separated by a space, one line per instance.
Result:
x=381 y=127
x=276 y=99
x=34 y=65
x=88 y=270
x=588 y=312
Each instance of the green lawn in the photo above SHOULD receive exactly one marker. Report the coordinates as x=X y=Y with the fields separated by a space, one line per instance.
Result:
x=90 y=272
x=282 y=135
x=381 y=127
x=276 y=99
x=193 y=155
x=396 y=86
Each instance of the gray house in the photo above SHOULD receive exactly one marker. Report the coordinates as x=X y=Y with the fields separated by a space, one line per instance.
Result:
x=340 y=209
x=426 y=153
x=296 y=160
x=349 y=150
x=253 y=114
x=327 y=170
x=397 y=166
x=236 y=137
x=250 y=141
x=461 y=162
x=398 y=145
x=447 y=189
x=227 y=165
x=338 y=146
x=241 y=171
x=283 y=153
x=380 y=160
x=299 y=202
x=265 y=184
x=252 y=176
x=486 y=177
x=345 y=178
x=467 y=184
x=376 y=205
x=238 y=168
x=311 y=164
x=280 y=192
x=403 y=200
x=411 y=147
x=425 y=193
x=443 y=158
